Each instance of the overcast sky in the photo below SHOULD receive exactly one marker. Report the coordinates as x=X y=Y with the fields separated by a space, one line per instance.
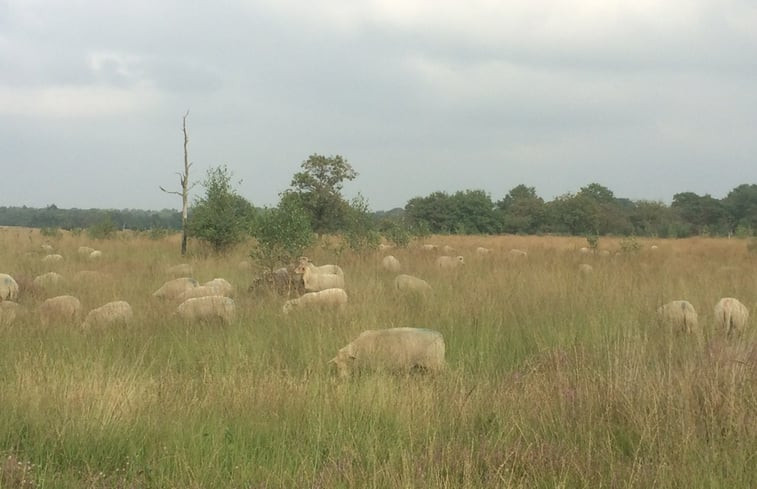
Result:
x=647 y=97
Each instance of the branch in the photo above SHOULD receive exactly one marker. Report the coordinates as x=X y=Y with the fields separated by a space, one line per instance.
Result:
x=169 y=191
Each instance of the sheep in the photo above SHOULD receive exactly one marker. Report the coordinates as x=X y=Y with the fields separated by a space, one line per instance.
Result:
x=319 y=281
x=392 y=350
x=335 y=269
x=200 y=291
x=449 y=262
x=516 y=253
x=221 y=285
x=174 y=288
x=448 y=250
x=95 y=255
x=117 y=312
x=585 y=270
x=208 y=308
x=429 y=247
x=8 y=288
x=585 y=251
x=47 y=248
x=390 y=263
x=681 y=315
x=63 y=308
x=85 y=251
x=731 y=315
x=481 y=251
x=405 y=282
x=48 y=280
x=384 y=247
x=52 y=258
x=182 y=270
x=328 y=297
x=8 y=312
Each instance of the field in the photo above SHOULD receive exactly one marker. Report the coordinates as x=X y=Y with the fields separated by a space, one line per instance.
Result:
x=553 y=380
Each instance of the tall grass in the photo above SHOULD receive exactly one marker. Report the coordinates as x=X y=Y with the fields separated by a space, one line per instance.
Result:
x=553 y=380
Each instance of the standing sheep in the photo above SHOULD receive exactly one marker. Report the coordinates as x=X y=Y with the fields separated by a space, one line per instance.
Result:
x=221 y=285
x=85 y=251
x=201 y=291
x=335 y=269
x=405 y=282
x=117 y=312
x=209 y=308
x=319 y=281
x=681 y=315
x=392 y=350
x=450 y=262
x=48 y=280
x=95 y=255
x=731 y=315
x=327 y=297
x=585 y=270
x=174 y=288
x=390 y=263
x=481 y=251
x=52 y=259
x=516 y=253
x=63 y=308
x=8 y=288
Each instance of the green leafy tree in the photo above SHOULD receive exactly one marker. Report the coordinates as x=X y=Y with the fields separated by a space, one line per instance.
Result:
x=434 y=212
x=473 y=212
x=741 y=204
x=361 y=232
x=319 y=189
x=521 y=211
x=283 y=233
x=221 y=217
x=703 y=214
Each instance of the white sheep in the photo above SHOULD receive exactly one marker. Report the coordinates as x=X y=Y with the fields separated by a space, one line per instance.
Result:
x=48 y=280
x=319 y=281
x=585 y=270
x=681 y=315
x=404 y=282
x=208 y=308
x=327 y=297
x=448 y=250
x=117 y=312
x=47 y=248
x=8 y=312
x=52 y=258
x=63 y=308
x=85 y=251
x=481 y=251
x=95 y=255
x=392 y=350
x=731 y=315
x=390 y=263
x=335 y=269
x=8 y=288
x=221 y=285
x=174 y=288
x=516 y=253
x=429 y=247
x=384 y=247
x=200 y=291
x=449 y=262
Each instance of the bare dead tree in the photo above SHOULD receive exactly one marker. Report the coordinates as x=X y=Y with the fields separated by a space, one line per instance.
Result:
x=185 y=187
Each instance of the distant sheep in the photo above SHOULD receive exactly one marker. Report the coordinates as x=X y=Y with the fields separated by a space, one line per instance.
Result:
x=392 y=350
x=47 y=248
x=585 y=270
x=429 y=247
x=335 y=269
x=8 y=288
x=390 y=263
x=315 y=281
x=209 y=308
x=48 y=280
x=731 y=315
x=516 y=253
x=327 y=297
x=481 y=251
x=447 y=249
x=449 y=262
x=52 y=258
x=117 y=312
x=63 y=309
x=405 y=282
x=681 y=315
x=85 y=251
x=96 y=255
x=384 y=247
x=221 y=285
x=174 y=288
x=8 y=312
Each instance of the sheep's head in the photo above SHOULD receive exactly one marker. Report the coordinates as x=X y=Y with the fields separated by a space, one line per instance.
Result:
x=343 y=360
x=461 y=260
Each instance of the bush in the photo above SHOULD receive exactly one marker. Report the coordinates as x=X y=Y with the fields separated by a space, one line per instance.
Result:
x=103 y=229
x=283 y=233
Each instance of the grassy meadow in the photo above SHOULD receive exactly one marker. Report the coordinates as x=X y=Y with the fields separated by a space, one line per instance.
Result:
x=553 y=380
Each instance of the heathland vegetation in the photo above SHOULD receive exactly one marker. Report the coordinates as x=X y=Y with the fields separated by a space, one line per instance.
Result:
x=553 y=379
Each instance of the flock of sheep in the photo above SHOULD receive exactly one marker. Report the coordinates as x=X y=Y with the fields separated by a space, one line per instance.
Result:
x=322 y=286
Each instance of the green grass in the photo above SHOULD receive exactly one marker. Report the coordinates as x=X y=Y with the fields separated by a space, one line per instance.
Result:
x=552 y=381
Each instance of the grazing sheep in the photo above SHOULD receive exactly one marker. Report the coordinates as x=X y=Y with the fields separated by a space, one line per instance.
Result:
x=390 y=263
x=319 y=281
x=85 y=251
x=8 y=312
x=448 y=250
x=405 y=282
x=327 y=297
x=585 y=251
x=449 y=262
x=392 y=350
x=681 y=315
x=654 y=247
x=174 y=288
x=48 y=280
x=63 y=308
x=731 y=315
x=182 y=270
x=8 y=288
x=429 y=247
x=117 y=312
x=52 y=258
x=208 y=308
x=516 y=253
x=47 y=248
x=481 y=251
x=335 y=269
x=221 y=285
x=200 y=291
x=97 y=254
x=585 y=270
